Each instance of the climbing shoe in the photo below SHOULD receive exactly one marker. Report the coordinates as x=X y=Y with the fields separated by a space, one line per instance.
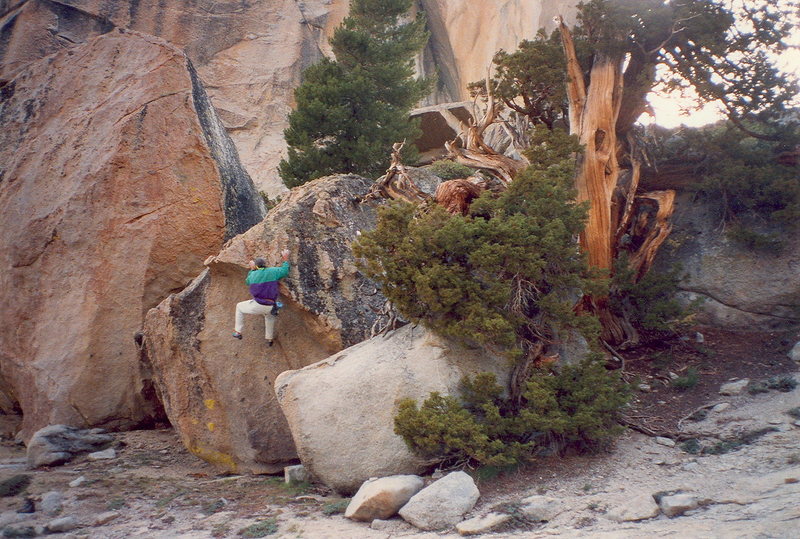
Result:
x=237 y=335
x=269 y=343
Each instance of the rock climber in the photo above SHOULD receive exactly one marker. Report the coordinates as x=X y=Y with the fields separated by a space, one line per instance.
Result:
x=263 y=284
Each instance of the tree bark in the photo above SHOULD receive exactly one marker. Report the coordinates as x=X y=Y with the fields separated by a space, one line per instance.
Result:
x=618 y=216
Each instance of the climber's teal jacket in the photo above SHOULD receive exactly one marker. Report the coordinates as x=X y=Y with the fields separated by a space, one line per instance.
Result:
x=263 y=283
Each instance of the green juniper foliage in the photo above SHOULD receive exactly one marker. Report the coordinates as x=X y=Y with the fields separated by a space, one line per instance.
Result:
x=350 y=111
x=742 y=174
x=650 y=304
x=502 y=275
x=450 y=170
x=531 y=81
x=576 y=407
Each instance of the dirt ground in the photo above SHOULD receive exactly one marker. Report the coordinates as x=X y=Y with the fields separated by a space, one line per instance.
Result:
x=155 y=488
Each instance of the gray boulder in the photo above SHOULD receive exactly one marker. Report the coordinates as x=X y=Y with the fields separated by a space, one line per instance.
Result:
x=57 y=444
x=738 y=288
x=382 y=498
x=341 y=410
x=443 y=503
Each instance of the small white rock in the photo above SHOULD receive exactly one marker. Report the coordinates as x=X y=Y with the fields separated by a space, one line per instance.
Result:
x=63 y=524
x=104 y=518
x=794 y=353
x=721 y=407
x=382 y=498
x=668 y=442
x=12 y=517
x=391 y=526
x=691 y=467
x=52 y=502
x=106 y=454
x=77 y=482
x=644 y=387
x=541 y=508
x=698 y=337
x=639 y=508
x=673 y=376
x=678 y=504
x=734 y=388
x=797 y=423
x=776 y=421
x=484 y=524
x=443 y=503
x=295 y=474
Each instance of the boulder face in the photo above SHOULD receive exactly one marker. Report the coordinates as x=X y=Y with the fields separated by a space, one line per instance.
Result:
x=111 y=196
x=341 y=410
x=218 y=391
x=738 y=288
x=251 y=54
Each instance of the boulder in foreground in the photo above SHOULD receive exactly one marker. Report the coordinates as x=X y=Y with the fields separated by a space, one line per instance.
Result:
x=341 y=410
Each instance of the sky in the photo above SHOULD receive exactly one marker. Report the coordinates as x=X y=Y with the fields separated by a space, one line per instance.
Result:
x=669 y=108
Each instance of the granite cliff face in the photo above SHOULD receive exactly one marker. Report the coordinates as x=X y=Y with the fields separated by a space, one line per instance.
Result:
x=466 y=34
x=250 y=55
x=218 y=391
x=115 y=179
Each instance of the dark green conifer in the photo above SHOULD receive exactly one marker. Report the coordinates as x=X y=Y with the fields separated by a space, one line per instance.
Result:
x=351 y=110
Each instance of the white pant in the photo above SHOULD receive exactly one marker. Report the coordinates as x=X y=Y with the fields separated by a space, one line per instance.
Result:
x=253 y=307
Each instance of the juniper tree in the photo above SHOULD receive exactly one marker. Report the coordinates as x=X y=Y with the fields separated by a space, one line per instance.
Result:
x=350 y=110
x=617 y=54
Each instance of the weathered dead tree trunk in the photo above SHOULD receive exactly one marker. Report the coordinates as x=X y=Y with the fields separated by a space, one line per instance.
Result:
x=475 y=153
x=616 y=212
x=396 y=184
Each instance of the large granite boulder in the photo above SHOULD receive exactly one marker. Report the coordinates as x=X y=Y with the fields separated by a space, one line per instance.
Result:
x=738 y=288
x=341 y=410
x=251 y=54
x=115 y=176
x=217 y=390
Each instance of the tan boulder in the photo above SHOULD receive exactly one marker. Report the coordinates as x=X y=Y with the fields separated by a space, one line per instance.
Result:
x=218 y=391
x=341 y=410
x=249 y=54
x=115 y=175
